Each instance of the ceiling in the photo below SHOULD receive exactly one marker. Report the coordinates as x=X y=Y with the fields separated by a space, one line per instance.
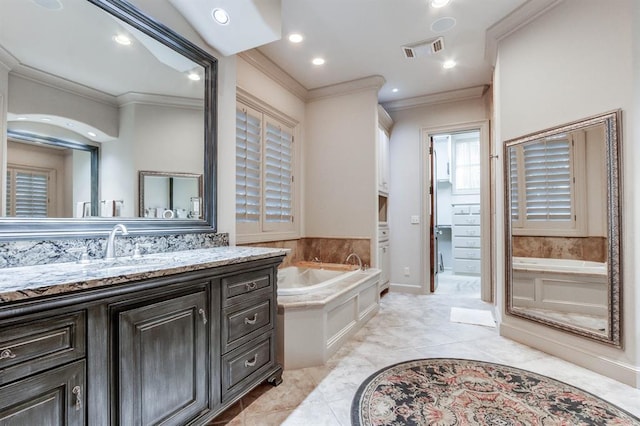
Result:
x=360 y=38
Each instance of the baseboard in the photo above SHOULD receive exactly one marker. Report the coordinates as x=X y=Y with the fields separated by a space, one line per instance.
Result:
x=622 y=372
x=406 y=288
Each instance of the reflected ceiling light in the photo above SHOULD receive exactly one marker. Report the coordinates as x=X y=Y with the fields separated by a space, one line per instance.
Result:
x=394 y=90
x=318 y=61
x=21 y=118
x=295 y=38
x=449 y=64
x=92 y=134
x=69 y=124
x=220 y=16
x=122 y=39
x=45 y=119
x=194 y=76
x=439 y=3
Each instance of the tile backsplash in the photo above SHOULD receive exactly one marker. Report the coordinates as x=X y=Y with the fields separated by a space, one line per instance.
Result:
x=38 y=252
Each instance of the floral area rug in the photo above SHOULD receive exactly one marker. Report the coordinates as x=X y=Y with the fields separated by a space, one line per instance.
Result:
x=445 y=391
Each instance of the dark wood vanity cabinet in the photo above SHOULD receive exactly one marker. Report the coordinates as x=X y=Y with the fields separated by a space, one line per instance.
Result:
x=176 y=350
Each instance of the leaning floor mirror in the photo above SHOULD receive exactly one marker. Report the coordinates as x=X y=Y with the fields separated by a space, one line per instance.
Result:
x=563 y=227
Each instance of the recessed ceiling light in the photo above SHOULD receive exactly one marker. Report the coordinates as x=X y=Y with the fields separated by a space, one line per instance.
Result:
x=295 y=38
x=449 y=64
x=394 y=90
x=194 y=76
x=45 y=119
x=318 y=61
x=220 y=16
x=93 y=135
x=439 y=3
x=21 y=118
x=122 y=39
x=443 y=24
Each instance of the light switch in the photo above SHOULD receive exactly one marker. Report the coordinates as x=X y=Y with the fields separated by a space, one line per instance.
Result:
x=415 y=219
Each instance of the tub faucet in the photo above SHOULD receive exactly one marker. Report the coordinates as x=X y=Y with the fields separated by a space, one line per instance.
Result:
x=357 y=258
x=110 y=250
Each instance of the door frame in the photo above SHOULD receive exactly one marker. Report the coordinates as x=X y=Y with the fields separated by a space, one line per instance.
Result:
x=487 y=290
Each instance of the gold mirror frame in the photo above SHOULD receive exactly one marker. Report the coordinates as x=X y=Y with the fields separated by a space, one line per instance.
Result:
x=612 y=335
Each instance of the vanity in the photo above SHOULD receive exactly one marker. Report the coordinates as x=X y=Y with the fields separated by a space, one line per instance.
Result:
x=171 y=338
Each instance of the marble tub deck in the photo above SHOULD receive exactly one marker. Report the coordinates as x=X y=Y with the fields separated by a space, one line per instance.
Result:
x=407 y=327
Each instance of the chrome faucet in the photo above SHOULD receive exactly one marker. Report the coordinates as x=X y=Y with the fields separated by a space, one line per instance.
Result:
x=357 y=257
x=110 y=250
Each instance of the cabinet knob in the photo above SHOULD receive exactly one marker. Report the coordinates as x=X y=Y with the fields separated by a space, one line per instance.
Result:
x=203 y=314
x=251 y=286
x=77 y=391
x=252 y=320
x=7 y=354
x=252 y=362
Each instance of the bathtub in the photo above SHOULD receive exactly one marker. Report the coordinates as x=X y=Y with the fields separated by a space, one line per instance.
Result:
x=561 y=285
x=294 y=280
x=320 y=306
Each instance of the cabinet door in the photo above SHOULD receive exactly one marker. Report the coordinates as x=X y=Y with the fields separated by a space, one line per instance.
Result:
x=163 y=350
x=52 y=398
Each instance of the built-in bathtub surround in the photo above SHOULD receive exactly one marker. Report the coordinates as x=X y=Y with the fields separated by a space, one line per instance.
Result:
x=328 y=250
x=38 y=252
x=26 y=282
x=593 y=249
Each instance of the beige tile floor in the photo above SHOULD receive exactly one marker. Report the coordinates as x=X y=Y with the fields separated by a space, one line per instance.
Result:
x=407 y=327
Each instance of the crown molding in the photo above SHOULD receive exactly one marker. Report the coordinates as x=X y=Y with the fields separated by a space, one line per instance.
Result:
x=384 y=118
x=436 y=98
x=7 y=60
x=517 y=19
x=160 y=100
x=374 y=82
x=261 y=62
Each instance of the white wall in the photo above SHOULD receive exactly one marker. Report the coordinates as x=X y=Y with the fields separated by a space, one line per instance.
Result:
x=553 y=71
x=406 y=174
x=340 y=166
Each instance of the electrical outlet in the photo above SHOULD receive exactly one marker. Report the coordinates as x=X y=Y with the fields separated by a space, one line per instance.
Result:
x=406 y=271
x=415 y=219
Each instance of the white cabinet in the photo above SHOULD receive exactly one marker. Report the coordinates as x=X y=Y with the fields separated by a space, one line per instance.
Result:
x=384 y=257
x=466 y=238
x=442 y=147
x=383 y=161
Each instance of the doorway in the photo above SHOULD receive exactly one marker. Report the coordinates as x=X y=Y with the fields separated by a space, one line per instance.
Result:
x=456 y=182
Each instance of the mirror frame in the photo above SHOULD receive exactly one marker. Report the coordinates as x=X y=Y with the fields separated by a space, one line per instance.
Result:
x=143 y=173
x=29 y=229
x=612 y=122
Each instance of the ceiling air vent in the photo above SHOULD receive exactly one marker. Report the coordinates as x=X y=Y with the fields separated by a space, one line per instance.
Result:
x=423 y=48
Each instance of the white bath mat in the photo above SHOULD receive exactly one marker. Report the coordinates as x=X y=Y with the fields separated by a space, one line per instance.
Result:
x=472 y=316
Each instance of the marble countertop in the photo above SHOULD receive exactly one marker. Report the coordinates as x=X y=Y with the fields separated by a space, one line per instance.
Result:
x=22 y=283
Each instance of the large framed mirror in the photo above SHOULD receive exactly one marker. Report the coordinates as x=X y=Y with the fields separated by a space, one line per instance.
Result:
x=563 y=225
x=101 y=74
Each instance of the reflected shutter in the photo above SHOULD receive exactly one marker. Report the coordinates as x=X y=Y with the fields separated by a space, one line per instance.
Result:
x=513 y=181
x=9 y=195
x=248 y=169
x=548 y=180
x=278 y=194
x=29 y=193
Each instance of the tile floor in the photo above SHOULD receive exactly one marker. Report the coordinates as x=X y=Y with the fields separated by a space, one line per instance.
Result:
x=407 y=327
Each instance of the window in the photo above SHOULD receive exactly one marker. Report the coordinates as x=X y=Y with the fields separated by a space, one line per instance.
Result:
x=264 y=175
x=27 y=192
x=543 y=187
x=466 y=162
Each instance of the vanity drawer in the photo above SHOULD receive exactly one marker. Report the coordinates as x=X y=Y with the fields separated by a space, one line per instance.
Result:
x=236 y=287
x=241 y=324
x=470 y=242
x=245 y=364
x=466 y=231
x=469 y=219
x=466 y=253
x=41 y=344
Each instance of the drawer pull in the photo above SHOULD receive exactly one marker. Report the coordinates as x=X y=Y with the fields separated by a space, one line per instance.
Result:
x=203 y=314
x=251 y=363
x=251 y=286
x=252 y=320
x=7 y=354
x=77 y=391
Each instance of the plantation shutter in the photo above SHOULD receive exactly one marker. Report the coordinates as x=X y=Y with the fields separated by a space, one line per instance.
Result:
x=278 y=194
x=548 y=180
x=28 y=192
x=9 y=192
x=513 y=181
x=248 y=165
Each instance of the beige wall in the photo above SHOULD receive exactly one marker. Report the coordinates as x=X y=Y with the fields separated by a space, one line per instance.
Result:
x=554 y=71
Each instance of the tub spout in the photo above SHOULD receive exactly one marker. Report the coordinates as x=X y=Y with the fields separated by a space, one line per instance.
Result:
x=357 y=258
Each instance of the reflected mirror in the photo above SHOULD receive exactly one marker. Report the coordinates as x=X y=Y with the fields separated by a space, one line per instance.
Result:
x=100 y=73
x=166 y=195
x=563 y=227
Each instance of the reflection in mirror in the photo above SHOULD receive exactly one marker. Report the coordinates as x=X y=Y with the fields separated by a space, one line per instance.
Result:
x=129 y=86
x=48 y=176
x=563 y=227
x=167 y=195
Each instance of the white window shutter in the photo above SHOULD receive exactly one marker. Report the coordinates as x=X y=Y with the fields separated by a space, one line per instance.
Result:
x=278 y=175
x=248 y=165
